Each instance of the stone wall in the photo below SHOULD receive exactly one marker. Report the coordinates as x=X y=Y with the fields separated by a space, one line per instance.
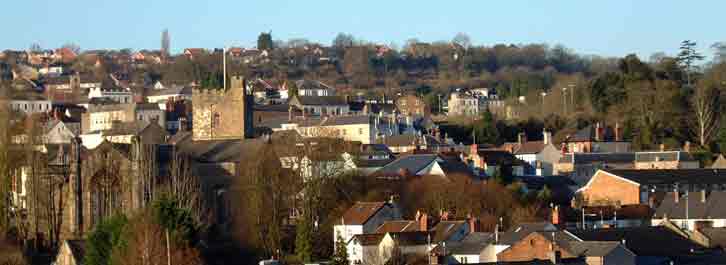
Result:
x=223 y=115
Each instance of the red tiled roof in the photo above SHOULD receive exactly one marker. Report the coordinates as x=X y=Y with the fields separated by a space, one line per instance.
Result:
x=397 y=226
x=359 y=213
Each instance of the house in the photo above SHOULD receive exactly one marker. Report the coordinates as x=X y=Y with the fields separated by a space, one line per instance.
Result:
x=117 y=94
x=125 y=132
x=693 y=210
x=540 y=156
x=654 y=245
x=312 y=88
x=321 y=105
x=364 y=218
x=64 y=55
x=598 y=139
x=360 y=128
x=462 y=104
x=404 y=244
x=720 y=162
x=71 y=252
x=629 y=187
x=410 y=142
x=468 y=250
x=29 y=102
x=423 y=165
x=161 y=96
x=61 y=129
x=192 y=53
x=102 y=117
x=371 y=158
x=489 y=162
x=413 y=106
x=581 y=166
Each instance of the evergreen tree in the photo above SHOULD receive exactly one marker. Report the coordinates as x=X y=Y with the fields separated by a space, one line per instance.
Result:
x=304 y=240
x=101 y=242
x=340 y=256
x=486 y=130
x=688 y=56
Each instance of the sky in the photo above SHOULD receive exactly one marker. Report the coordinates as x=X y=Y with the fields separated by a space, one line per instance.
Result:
x=606 y=28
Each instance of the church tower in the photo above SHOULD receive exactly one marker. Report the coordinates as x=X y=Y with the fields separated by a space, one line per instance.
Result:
x=223 y=115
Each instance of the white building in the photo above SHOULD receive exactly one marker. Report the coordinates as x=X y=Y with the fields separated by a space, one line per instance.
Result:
x=363 y=218
x=120 y=95
x=463 y=104
x=691 y=210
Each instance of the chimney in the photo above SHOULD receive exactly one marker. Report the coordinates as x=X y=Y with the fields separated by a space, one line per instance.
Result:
x=687 y=147
x=473 y=224
x=598 y=132
x=289 y=113
x=547 y=137
x=676 y=196
x=423 y=222
x=662 y=147
x=618 y=133
x=556 y=215
x=522 y=138
x=703 y=195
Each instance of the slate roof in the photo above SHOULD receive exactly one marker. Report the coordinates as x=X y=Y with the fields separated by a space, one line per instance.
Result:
x=585 y=158
x=592 y=248
x=443 y=230
x=127 y=128
x=346 y=120
x=321 y=101
x=712 y=208
x=587 y=134
x=411 y=238
x=529 y=147
x=643 y=241
x=472 y=244
x=517 y=233
x=663 y=156
x=175 y=90
x=360 y=212
x=672 y=176
x=410 y=163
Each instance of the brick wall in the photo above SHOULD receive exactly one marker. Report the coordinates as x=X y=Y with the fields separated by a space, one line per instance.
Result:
x=533 y=247
x=605 y=187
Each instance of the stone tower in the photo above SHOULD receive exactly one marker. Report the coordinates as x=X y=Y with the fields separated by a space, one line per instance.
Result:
x=223 y=115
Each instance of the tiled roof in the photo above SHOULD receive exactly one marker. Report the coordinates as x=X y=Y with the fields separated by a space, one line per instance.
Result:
x=397 y=226
x=472 y=244
x=368 y=239
x=519 y=232
x=592 y=248
x=529 y=147
x=712 y=208
x=411 y=238
x=359 y=213
x=585 y=158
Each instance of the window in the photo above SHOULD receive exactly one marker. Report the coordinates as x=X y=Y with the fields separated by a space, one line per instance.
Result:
x=215 y=120
x=360 y=131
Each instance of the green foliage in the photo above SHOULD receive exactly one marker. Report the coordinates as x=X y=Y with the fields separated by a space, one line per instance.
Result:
x=103 y=239
x=304 y=240
x=170 y=215
x=340 y=257
x=486 y=130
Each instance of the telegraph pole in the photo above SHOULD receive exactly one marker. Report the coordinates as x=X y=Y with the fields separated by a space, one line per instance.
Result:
x=224 y=67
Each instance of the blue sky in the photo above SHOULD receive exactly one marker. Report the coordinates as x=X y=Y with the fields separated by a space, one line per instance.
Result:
x=610 y=27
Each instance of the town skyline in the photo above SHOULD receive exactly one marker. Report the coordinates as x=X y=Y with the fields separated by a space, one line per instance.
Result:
x=612 y=29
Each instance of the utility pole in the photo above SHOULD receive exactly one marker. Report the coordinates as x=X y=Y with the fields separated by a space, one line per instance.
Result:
x=572 y=97
x=224 y=67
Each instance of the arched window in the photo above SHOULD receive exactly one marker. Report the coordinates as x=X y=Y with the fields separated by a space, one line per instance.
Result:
x=216 y=119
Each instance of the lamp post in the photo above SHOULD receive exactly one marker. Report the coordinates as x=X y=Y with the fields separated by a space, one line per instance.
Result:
x=543 y=98
x=564 y=101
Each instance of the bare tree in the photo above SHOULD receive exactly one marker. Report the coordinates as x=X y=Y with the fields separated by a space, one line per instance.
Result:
x=462 y=39
x=704 y=103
